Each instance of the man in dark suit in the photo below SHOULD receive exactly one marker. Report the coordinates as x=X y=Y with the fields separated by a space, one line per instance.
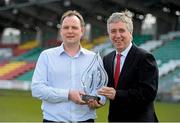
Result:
x=132 y=72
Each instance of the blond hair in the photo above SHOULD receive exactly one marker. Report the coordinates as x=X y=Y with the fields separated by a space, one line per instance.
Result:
x=72 y=13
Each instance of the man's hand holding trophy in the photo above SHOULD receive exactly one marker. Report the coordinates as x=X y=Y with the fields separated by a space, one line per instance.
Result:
x=93 y=78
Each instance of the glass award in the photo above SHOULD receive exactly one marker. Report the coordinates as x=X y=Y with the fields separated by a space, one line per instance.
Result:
x=93 y=78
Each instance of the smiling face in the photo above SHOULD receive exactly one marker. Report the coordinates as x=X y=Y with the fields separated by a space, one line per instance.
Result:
x=71 y=30
x=119 y=35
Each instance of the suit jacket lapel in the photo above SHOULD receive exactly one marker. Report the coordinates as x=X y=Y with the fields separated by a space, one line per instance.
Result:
x=127 y=63
x=112 y=62
x=111 y=68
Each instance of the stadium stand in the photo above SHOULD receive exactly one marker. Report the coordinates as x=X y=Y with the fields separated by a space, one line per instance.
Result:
x=38 y=22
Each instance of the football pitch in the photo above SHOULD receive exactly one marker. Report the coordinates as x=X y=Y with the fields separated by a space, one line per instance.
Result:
x=19 y=106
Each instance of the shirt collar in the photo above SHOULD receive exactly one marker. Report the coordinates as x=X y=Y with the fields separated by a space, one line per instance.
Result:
x=62 y=51
x=125 y=52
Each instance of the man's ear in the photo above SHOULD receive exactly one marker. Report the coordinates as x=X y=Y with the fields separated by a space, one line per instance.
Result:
x=83 y=30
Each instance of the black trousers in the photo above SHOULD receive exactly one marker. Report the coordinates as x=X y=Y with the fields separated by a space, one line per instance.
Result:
x=88 y=121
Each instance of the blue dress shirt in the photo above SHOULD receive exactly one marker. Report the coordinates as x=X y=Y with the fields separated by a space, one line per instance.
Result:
x=55 y=74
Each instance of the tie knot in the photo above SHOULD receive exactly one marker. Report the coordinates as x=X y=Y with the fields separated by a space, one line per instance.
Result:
x=118 y=55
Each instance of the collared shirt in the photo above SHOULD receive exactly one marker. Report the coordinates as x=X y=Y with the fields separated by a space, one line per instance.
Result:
x=123 y=56
x=55 y=74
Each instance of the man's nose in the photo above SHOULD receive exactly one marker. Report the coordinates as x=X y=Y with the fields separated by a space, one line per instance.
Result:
x=70 y=29
x=118 y=34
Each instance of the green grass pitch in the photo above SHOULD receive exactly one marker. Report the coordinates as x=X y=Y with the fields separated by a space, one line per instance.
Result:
x=19 y=106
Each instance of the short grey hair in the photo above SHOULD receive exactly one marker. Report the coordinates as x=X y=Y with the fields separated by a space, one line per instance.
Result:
x=124 y=16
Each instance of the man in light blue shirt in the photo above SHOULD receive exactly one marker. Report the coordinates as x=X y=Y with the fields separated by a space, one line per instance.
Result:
x=57 y=76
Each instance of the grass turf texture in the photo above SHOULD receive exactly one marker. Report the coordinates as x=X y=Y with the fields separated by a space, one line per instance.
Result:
x=19 y=106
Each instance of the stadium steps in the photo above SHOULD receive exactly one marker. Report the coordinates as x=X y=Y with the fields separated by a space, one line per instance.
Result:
x=140 y=39
x=169 y=51
x=31 y=55
x=12 y=46
x=3 y=63
x=23 y=48
x=107 y=46
x=166 y=82
x=151 y=45
x=27 y=76
x=14 y=69
x=99 y=40
x=29 y=58
x=86 y=44
x=53 y=43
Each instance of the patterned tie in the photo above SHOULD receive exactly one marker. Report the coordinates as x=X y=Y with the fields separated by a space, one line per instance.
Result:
x=117 y=70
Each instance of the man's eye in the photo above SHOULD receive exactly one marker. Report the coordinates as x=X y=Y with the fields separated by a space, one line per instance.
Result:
x=121 y=30
x=65 y=27
x=113 y=31
x=74 y=27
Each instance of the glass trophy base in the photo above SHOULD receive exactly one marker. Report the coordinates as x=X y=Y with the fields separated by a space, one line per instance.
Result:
x=87 y=97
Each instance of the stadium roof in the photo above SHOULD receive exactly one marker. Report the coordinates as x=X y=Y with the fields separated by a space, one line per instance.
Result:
x=45 y=14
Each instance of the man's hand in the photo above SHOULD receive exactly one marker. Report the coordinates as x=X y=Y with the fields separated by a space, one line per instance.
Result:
x=94 y=104
x=109 y=92
x=75 y=96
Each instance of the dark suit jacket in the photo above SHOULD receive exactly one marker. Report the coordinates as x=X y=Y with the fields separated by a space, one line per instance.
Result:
x=136 y=89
